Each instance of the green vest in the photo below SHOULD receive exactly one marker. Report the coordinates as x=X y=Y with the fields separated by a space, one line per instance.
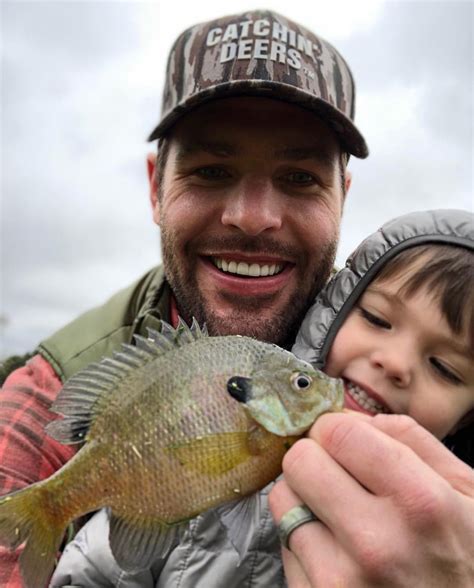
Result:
x=100 y=331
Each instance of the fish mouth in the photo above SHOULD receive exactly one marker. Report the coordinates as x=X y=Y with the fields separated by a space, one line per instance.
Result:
x=364 y=399
x=248 y=268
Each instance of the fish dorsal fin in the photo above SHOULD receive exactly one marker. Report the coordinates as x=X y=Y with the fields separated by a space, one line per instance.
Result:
x=137 y=543
x=170 y=338
x=78 y=401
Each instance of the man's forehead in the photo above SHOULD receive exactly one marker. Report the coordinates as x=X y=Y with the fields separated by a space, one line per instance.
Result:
x=237 y=119
x=186 y=147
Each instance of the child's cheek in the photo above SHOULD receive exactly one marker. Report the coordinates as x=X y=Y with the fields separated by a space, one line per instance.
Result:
x=331 y=368
x=345 y=348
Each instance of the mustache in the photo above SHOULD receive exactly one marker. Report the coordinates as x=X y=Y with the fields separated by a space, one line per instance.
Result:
x=244 y=244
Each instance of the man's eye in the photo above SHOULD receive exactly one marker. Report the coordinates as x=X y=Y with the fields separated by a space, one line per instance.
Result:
x=212 y=173
x=373 y=319
x=444 y=371
x=300 y=178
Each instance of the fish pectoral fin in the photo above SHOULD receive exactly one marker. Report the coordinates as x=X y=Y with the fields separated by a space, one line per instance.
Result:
x=136 y=542
x=213 y=454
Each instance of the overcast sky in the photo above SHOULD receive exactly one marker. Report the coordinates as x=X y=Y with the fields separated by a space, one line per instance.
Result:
x=81 y=90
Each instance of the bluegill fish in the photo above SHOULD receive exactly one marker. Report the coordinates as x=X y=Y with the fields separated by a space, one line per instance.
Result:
x=172 y=426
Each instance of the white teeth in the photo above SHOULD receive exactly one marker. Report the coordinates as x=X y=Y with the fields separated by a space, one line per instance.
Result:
x=241 y=268
x=363 y=399
x=254 y=270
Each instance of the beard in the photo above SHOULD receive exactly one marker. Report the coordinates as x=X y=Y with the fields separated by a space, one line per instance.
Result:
x=245 y=316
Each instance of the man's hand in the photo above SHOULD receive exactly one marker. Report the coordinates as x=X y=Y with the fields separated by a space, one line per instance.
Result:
x=396 y=507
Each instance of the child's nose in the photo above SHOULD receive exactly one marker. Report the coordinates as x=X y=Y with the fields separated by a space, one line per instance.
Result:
x=396 y=364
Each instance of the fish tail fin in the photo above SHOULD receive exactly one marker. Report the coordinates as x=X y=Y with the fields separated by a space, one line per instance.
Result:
x=25 y=518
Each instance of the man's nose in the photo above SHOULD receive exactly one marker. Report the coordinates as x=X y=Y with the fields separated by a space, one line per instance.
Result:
x=397 y=362
x=253 y=207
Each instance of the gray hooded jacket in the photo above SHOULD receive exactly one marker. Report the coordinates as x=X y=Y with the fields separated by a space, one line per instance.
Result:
x=205 y=558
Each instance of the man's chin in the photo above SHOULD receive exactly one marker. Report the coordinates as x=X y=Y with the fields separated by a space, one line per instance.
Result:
x=236 y=324
x=274 y=329
x=268 y=318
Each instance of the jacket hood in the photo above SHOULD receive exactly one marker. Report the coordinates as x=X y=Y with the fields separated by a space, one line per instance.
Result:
x=336 y=300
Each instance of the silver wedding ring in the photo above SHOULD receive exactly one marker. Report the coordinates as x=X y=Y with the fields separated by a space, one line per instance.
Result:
x=294 y=518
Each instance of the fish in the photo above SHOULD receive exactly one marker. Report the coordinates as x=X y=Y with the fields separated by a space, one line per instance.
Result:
x=171 y=426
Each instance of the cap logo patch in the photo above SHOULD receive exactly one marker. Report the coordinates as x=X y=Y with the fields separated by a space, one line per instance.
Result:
x=261 y=39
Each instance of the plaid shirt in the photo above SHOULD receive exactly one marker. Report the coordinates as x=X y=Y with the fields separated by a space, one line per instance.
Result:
x=27 y=454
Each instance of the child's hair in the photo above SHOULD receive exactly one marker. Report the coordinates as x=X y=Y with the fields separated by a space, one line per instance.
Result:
x=447 y=273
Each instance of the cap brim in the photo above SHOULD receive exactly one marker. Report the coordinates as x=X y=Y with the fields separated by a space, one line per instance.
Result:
x=351 y=140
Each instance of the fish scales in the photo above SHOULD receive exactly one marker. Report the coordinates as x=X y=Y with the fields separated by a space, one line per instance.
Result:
x=185 y=403
x=180 y=424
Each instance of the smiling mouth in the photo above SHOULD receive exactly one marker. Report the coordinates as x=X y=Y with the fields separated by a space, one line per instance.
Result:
x=362 y=398
x=248 y=270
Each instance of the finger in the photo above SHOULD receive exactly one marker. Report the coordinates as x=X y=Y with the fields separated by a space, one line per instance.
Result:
x=429 y=449
x=358 y=522
x=332 y=494
x=381 y=463
x=324 y=485
x=282 y=499
x=314 y=559
x=294 y=572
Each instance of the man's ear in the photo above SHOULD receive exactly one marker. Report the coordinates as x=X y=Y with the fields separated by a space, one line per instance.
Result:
x=153 y=184
x=347 y=182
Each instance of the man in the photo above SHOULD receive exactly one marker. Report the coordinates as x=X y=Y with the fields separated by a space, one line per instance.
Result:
x=248 y=189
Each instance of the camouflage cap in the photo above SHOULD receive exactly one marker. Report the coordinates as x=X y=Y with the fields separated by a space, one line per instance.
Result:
x=260 y=53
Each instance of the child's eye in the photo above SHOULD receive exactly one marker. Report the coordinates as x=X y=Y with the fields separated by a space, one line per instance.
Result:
x=444 y=371
x=374 y=319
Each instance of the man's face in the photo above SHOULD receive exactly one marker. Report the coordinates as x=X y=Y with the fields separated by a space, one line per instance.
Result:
x=249 y=209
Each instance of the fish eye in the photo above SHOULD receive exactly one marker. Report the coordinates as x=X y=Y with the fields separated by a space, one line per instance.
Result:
x=301 y=381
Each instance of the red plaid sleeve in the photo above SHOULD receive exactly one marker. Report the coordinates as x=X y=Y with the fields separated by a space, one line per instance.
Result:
x=27 y=454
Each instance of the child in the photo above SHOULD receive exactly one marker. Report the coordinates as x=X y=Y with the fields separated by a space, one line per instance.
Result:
x=397 y=324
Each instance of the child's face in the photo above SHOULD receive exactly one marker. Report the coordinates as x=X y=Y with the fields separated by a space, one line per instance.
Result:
x=399 y=355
